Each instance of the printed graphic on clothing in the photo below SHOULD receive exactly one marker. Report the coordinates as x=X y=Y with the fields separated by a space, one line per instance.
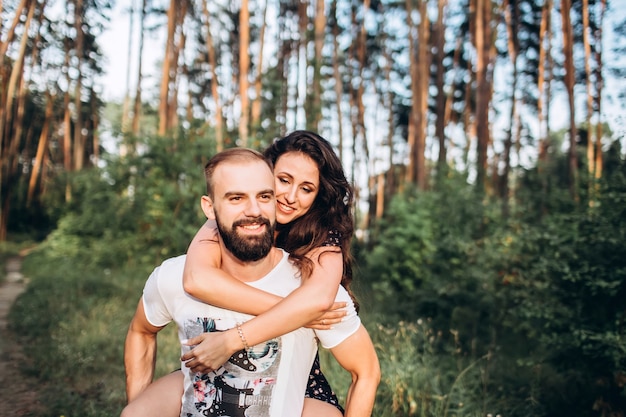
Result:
x=242 y=387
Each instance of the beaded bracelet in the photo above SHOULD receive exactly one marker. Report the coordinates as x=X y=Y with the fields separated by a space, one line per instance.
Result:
x=242 y=337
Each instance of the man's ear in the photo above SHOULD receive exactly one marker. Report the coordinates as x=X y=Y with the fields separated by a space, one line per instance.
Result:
x=207 y=207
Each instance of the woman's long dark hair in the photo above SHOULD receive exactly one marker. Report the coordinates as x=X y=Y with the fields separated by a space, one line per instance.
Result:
x=331 y=212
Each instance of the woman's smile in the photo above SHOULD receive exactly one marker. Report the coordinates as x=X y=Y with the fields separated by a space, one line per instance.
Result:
x=297 y=184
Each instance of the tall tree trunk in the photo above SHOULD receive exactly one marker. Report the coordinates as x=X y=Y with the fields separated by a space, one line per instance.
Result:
x=126 y=105
x=469 y=110
x=390 y=177
x=440 y=124
x=284 y=52
x=14 y=81
x=314 y=112
x=42 y=147
x=22 y=8
x=137 y=103
x=598 y=165
x=420 y=74
x=360 y=133
x=169 y=67
x=301 y=63
x=424 y=58
x=244 y=69
x=588 y=85
x=219 y=116
x=545 y=33
x=179 y=47
x=337 y=75
x=447 y=114
x=95 y=124
x=258 y=81
x=483 y=88
x=570 y=79
x=512 y=27
x=79 y=137
x=361 y=53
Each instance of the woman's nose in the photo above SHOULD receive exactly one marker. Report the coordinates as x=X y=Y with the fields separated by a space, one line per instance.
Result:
x=290 y=195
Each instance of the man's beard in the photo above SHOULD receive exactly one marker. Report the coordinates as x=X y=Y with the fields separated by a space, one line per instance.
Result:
x=247 y=248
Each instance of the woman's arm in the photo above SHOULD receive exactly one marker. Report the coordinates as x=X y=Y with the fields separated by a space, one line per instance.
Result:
x=357 y=355
x=203 y=278
x=312 y=299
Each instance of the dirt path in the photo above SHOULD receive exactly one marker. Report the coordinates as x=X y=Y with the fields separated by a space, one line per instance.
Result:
x=18 y=393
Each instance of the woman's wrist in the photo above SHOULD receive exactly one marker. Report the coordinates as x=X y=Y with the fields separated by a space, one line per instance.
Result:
x=242 y=337
x=234 y=341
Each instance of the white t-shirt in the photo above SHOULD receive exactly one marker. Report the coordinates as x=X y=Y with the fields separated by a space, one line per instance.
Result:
x=270 y=379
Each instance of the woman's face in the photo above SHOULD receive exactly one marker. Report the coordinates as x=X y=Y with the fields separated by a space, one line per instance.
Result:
x=297 y=184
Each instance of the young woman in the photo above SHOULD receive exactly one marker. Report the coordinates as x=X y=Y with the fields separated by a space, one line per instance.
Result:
x=315 y=225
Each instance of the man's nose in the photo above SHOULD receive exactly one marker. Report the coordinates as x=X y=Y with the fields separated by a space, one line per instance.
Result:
x=253 y=208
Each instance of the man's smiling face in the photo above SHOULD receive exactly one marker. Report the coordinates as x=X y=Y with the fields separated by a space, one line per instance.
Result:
x=244 y=207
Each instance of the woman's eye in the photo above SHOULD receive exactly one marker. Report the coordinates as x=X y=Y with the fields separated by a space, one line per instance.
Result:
x=283 y=180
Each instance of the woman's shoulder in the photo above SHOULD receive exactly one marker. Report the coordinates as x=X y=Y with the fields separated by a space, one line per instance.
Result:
x=333 y=238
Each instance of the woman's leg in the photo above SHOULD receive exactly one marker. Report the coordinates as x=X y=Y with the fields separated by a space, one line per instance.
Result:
x=319 y=399
x=162 y=398
x=318 y=408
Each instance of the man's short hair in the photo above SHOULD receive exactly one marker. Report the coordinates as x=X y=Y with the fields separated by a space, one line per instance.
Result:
x=231 y=155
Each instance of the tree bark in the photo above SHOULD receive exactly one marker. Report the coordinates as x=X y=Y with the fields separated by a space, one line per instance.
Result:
x=137 y=103
x=219 y=116
x=568 y=40
x=314 y=113
x=440 y=124
x=545 y=34
x=168 y=68
x=337 y=76
x=42 y=147
x=420 y=75
x=512 y=28
x=244 y=69
x=79 y=137
x=258 y=81
x=483 y=88
x=598 y=165
x=126 y=105
x=588 y=85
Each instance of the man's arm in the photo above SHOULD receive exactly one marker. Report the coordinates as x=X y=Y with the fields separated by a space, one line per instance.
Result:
x=139 y=353
x=357 y=355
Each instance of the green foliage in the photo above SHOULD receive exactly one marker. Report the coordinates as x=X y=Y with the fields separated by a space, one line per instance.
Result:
x=72 y=321
x=145 y=206
x=540 y=294
x=568 y=280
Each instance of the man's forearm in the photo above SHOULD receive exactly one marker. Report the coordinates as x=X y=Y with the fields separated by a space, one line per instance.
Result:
x=361 y=397
x=139 y=361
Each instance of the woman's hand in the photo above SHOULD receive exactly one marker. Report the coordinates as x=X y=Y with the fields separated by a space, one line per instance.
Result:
x=332 y=316
x=210 y=350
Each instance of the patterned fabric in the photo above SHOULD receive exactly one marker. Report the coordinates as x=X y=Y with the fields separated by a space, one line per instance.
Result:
x=333 y=238
x=318 y=387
